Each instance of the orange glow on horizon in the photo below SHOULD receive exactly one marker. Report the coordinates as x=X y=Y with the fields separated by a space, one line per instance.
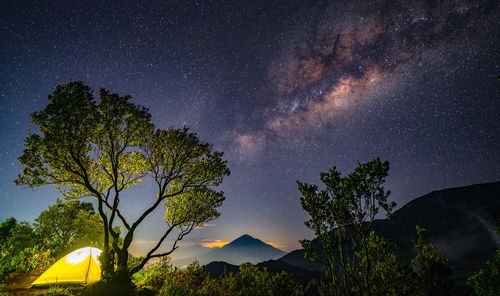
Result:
x=214 y=244
x=274 y=245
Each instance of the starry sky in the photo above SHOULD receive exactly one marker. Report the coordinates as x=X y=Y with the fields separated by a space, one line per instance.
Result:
x=286 y=89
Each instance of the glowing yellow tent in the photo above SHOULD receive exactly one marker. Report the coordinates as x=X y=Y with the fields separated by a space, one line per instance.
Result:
x=78 y=267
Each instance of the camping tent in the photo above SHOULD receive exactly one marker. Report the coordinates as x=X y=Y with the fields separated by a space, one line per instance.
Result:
x=78 y=267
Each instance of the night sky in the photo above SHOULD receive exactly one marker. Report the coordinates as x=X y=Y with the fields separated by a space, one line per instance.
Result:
x=285 y=89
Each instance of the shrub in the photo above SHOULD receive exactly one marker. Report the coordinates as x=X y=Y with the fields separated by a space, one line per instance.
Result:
x=20 y=248
x=25 y=260
x=152 y=276
x=486 y=282
x=189 y=281
x=248 y=281
x=31 y=258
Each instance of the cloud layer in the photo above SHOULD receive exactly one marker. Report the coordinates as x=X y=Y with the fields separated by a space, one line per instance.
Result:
x=213 y=243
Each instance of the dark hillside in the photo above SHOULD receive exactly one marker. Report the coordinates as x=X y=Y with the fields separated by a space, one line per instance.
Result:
x=459 y=221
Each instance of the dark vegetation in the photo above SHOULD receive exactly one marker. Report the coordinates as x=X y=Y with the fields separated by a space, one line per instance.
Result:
x=458 y=221
x=248 y=279
x=359 y=261
x=63 y=227
x=98 y=149
x=487 y=280
x=28 y=247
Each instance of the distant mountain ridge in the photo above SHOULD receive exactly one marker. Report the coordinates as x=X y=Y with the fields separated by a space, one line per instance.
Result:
x=243 y=249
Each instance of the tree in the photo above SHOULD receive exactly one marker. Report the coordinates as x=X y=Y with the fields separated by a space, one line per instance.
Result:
x=67 y=225
x=99 y=149
x=432 y=271
x=6 y=228
x=329 y=220
x=486 y=282
x=20 y=249
x=389 y=275
x=88 y=231
x=342 y=213
x=367 y=196
x=21 y=236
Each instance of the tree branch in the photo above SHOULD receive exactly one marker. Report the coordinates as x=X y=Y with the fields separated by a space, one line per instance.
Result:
x=150 y=255
x=130 y=233
x=118 y=213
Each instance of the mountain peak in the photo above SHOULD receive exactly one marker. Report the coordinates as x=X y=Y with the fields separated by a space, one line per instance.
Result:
x=246 y=239
x=243 y=249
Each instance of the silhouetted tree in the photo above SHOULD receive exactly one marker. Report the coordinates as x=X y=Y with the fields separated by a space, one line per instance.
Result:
x=68 y=225
x=21 y=236
x=6 y=228
x=343 y=213
x=99 y=149
x=486 y=282
x=388 y=274
x=432 y=271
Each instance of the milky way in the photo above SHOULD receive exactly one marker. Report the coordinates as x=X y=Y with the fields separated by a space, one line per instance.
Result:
x=354 y=52
x=285 y=88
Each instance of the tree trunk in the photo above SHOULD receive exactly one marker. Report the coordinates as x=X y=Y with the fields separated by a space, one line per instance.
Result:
x=368 y=267
x=117 y=282
x=343 y=266
x=122 y=264
x=107 y=257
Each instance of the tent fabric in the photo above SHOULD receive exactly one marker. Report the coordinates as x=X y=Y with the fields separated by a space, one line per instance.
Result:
x=78 y=267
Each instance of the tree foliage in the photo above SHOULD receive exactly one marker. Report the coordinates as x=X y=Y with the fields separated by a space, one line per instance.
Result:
x=342 y=213
x=432 y=270
x=68 y=225
x=21 y=236
x=100 y=148
x=6 y=228
x=20 y=248
x=389 y=275
x=486 y=282
x=194 y=280
x=358 y=261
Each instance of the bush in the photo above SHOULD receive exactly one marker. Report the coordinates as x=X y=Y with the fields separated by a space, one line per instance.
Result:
x=432 y=271
x=195 y=281
x=24 y=261
x=153 y=276
x=190 y=281
x=285 y=284
x=486 y=282
x=31 y=258
x=20 y=249
x=249 y=280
